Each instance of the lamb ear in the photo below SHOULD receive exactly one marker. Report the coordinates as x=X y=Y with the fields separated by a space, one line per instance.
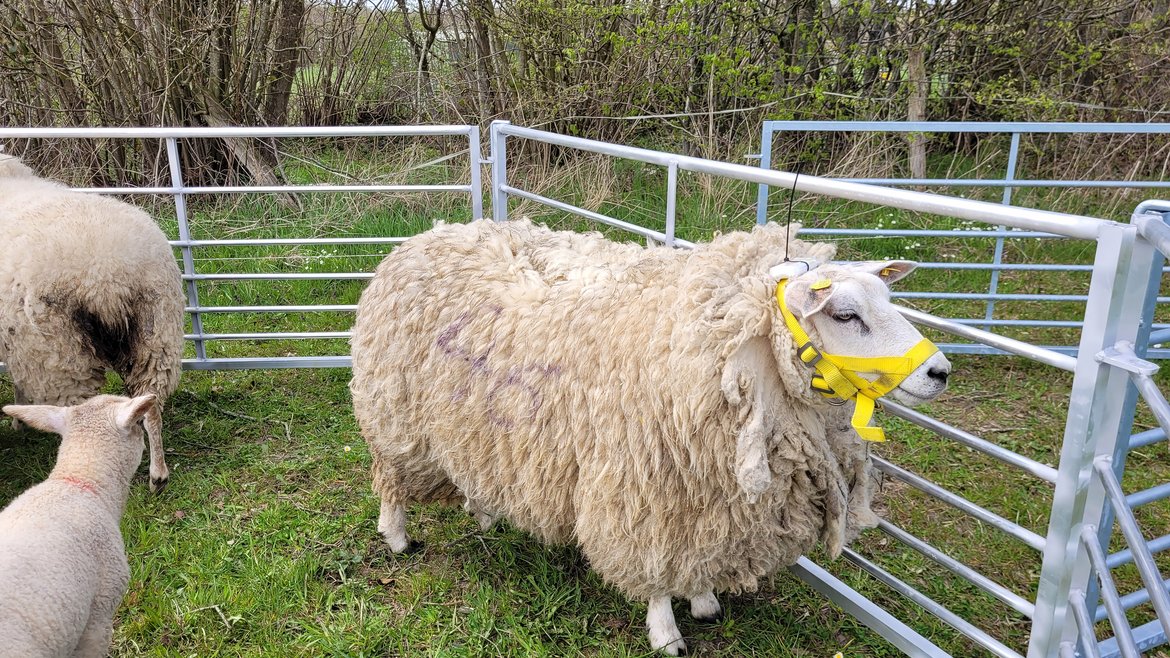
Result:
x=887 y=270
x=130 y=412
x=44 y=417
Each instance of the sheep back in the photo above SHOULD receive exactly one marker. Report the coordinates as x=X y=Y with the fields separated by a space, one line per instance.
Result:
x=575 y=386
x=87 y=283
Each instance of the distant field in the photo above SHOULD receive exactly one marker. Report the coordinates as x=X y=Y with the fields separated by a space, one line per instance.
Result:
x=265 y=544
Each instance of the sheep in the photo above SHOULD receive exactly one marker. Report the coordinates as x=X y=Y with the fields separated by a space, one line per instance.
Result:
x=87 y=284
x=63 y=567
x=647 y=404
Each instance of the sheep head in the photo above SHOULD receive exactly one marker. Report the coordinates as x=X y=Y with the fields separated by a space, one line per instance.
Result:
x=846 y=310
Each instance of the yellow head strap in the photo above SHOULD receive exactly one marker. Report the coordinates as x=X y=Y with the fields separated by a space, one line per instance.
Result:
x=841 y=376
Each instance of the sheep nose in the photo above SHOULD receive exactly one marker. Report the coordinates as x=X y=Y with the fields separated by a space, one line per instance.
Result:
x=939 y=374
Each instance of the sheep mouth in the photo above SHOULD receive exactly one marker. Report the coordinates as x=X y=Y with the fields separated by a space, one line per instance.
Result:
x=913 y=399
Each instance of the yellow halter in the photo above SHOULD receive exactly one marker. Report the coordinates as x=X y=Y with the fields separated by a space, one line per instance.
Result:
x=840 y=376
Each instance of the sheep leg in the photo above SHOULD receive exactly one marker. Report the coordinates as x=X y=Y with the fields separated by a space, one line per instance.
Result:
x=705 y=607
x=664 y=633
x=159 y=472
x=392 y=525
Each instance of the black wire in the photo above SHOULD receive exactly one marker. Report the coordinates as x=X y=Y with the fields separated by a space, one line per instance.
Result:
x=788 y=222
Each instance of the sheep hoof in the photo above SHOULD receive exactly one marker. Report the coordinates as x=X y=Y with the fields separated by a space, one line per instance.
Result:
x=706 y=608
x=712 y=618
x=676 y=648
x=17 y=426
x=158 y=484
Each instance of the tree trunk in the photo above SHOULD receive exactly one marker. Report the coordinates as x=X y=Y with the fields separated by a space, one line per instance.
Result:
x=919 y=87
x=289 y=27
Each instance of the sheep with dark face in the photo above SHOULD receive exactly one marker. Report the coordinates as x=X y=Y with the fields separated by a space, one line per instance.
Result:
x=647 y=404
x=87 y=284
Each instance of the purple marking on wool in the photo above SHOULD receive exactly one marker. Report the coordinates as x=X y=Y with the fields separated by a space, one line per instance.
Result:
x=517 y=376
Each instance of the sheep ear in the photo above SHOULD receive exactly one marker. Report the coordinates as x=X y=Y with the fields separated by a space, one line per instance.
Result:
x=805 y=297
x=888 y=270
x=130 y=412
x=44 y=417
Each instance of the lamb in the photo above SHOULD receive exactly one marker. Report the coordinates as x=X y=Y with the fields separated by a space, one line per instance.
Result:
x=63 y=567
x=648 y=404
x=87 y=284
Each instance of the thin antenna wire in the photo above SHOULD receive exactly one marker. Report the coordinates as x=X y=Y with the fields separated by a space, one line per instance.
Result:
x=788 y=222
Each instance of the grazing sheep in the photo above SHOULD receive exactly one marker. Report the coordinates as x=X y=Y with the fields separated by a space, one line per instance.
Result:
x=63 y=567
x=647 y=404
x=87 y=284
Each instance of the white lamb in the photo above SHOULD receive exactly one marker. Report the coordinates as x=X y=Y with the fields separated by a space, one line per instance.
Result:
x=87 y=284
x=648 y=404
x=63 y=568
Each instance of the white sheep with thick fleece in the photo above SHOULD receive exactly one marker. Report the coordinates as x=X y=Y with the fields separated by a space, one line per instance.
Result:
x=647 y=404
x=88 y=284
x=63 y=568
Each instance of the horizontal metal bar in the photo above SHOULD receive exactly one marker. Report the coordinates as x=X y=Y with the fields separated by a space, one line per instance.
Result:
x=1017 y=347
x=1148 y=437
x=1002 y=182
x=1125 y=556
x=277 y=276
x=323 y=308
x=1009 y=297
x=1147 y=496
x=597 y=217
x=923 y=233
x=1153 y=397
x=1009 y=267
x=265 y=242
x=1160 y=336
x=1036 y=220
x=1147 y=636
x=866 y=611
x=274 y=189
x=1015 y=530
x=1030 y=466
x=970 y=127
x=234 y=131
x=1008 y=597
x=274 y=335
x=1133 y=600
x=965 y=627
x=252 y=363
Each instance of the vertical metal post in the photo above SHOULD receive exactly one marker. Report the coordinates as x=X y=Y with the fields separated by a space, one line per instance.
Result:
x=765 y=163
x=185 y=237
x=499 y=171
x=1149 y=260
x=997 y=260
x=476 y=159
x=671 y=200
x=1096 y=413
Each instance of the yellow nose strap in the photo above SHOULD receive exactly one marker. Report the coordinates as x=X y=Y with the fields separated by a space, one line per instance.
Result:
x=843 y=376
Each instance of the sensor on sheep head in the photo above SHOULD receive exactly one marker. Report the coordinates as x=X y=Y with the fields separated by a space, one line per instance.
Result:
x=862 y=379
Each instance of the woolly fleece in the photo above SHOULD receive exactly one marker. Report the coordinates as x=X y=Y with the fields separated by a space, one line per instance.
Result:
x=87 y=284
x=582 y=389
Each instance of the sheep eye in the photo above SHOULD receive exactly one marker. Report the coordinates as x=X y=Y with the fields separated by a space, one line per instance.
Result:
x=844 y=316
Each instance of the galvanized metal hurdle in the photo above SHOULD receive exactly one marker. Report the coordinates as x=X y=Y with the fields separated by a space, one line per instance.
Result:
x=1109 y=376
x=1009 y=183
x=179 y=191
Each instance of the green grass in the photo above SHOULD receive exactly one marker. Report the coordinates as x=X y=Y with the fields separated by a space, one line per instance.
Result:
x=265 y=544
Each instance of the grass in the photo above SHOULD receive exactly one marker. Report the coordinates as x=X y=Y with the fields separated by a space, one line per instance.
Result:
x=265 y=543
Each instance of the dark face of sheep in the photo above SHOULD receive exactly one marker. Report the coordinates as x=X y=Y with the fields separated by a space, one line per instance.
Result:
x=846 y=311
